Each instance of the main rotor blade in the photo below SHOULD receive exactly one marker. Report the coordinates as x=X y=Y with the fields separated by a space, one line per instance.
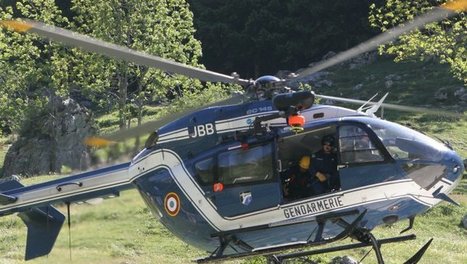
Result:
x=393 y=106
x=438 y=13
x=151 y=126
x=118 y=52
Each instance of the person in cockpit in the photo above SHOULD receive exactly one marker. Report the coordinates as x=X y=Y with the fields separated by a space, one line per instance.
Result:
x=325 y=177
x=298 y=180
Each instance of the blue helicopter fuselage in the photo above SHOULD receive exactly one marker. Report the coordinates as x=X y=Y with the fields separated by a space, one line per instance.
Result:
x=220 y=176
x=208 y=175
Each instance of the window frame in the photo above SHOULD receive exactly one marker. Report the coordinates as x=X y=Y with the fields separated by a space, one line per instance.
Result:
x=273 y=169
x=374 y=140
x=216 y=171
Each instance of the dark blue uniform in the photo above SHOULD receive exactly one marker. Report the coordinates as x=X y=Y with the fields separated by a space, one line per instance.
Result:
x=326 y=164
x=298 y=185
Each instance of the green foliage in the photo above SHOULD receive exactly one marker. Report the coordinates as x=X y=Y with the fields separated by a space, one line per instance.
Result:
x=446 y=40
x=31 y=68
x=256 y=38
x=162 y=28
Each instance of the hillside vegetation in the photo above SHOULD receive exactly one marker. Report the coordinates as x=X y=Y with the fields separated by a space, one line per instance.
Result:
x=122 y=230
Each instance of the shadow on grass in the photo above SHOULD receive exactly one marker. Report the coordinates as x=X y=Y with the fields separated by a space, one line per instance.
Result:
x=462 y=187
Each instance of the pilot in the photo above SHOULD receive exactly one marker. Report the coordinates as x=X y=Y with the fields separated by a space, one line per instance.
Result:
x=325 y=177
x=298 y=179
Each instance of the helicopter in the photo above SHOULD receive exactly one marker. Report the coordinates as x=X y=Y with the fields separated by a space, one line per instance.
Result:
x=214 y=176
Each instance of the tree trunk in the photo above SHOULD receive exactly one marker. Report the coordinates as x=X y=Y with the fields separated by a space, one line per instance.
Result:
x=139 y=101
x=52 y=132
x=122 y=94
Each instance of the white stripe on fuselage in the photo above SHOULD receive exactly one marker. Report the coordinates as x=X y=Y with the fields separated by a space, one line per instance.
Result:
x=167 y=159
x=245 y=122
x=386 y=191
x=177 y=134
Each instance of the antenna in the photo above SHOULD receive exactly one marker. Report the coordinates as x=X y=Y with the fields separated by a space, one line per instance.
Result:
x=370 y=111
x=69 y=227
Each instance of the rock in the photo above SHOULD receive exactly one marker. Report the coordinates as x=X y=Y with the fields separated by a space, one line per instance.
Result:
x=353 y=66
x=388 y=84
x=283 y=74
x=317 y=79
x=370 y=77
x=357 y=87
x=460 y=92
x=463 y=98
x=325 y=82
x=364 y=59
x=51 y=141
x=343 y=260
x=329 y=55
x=393 y=77
x=464 y=221
x=441 y=94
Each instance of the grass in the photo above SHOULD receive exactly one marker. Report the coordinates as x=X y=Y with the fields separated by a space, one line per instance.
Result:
x=119 y=231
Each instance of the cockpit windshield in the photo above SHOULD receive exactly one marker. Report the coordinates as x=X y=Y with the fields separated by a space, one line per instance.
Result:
x=405 y=143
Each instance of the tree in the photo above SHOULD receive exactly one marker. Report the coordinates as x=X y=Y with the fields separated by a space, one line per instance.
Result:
x=162 y=28
x=445 y=41
x=32 y=70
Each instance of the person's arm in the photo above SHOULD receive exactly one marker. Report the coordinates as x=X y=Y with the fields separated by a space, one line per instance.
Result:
x=315 y=172
x=321 y=176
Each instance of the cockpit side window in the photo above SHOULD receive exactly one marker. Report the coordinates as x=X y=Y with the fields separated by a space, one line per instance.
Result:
x=356 y=146
x=242 y=166
x=406 y=144
x=205 y=171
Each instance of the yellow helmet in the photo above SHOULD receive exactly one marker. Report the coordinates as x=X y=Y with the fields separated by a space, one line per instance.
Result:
x=304 y=162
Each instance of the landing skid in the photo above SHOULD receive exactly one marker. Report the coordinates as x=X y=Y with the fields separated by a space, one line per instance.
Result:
x=352 y=230
x=229 y=238
x=376 y=244
x=276 y=259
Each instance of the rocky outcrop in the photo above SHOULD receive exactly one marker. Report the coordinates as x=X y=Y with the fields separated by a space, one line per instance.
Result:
x=441 y=94
x=363 y=59
x=319 y=79
x=464 y=222
x=52 y=140
x=343 y=260
x=461 y=94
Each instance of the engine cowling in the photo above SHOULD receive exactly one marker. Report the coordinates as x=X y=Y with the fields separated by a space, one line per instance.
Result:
x=294 y=102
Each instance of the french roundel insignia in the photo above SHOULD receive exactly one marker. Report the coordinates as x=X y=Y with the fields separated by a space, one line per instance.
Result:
x=172 y=204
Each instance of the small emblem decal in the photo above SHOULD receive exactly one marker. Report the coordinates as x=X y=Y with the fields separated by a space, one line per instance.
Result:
x=172 y=204
x=246 y=198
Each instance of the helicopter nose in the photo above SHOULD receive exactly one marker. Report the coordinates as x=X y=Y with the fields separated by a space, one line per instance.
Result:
x=455 y=169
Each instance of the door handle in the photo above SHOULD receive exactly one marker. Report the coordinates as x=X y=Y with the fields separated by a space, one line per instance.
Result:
x=342 y=166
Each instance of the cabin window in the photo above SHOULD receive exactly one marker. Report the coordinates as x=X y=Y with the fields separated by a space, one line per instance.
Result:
x=356 y=146
x=205 y=171
x=404 y=143
x=242 y=166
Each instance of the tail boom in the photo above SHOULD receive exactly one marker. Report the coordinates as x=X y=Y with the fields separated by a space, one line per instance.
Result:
x=33 y=203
